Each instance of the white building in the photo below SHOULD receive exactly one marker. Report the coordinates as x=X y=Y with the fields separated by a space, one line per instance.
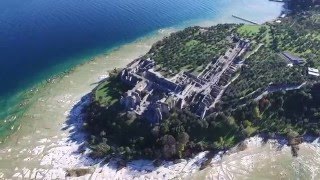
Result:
x=313 y=72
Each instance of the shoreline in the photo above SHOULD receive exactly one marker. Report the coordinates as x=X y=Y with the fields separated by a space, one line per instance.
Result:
x=69 y=156
x=24 y=95
x=53 y=102
x=65 y=155
x=39 y=141
x=27 y=97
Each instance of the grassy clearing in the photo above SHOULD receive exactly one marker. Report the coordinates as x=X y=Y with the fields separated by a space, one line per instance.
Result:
x=250 y=30
x=105 y=94
x=109 y=91
x=261 y=33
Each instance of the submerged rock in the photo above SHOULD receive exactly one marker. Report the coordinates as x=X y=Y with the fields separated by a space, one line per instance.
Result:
x=78 y=172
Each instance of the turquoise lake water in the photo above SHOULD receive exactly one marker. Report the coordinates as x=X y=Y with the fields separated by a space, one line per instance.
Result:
x=41 y=38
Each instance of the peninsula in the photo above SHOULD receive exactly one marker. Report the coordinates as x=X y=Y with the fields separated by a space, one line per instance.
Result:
x=232 y=100
x=210 y=88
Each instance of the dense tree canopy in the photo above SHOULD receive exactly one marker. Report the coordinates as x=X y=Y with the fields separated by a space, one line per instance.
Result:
x=191 y=49
x=114 y=131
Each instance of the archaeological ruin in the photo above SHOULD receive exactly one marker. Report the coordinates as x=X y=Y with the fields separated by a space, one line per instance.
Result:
x=153 y=95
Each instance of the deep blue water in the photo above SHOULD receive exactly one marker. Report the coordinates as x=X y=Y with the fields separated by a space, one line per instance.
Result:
x=38 y=34
x=40 y=38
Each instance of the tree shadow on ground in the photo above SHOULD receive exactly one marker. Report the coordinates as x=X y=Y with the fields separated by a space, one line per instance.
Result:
x=74 y=126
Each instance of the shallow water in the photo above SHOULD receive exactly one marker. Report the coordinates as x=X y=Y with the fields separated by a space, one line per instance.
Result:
x=40 y=38
x=48 y=105
x=266 y=162
x=41 y=125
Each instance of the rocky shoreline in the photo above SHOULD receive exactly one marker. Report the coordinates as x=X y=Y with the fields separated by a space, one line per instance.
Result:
x=68 y=157
x=65 y=155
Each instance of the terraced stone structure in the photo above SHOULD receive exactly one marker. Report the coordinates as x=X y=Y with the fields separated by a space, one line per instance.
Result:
x=153 y=95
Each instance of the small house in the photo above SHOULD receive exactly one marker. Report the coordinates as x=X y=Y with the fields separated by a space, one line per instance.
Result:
x=313 y=72
x=293 y=59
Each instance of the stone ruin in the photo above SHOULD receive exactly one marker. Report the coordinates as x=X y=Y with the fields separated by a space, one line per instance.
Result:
x=153 y=95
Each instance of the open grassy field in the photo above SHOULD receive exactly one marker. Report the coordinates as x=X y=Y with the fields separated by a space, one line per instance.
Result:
x=260 y=32
x=108 y=92
x=249 y=30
